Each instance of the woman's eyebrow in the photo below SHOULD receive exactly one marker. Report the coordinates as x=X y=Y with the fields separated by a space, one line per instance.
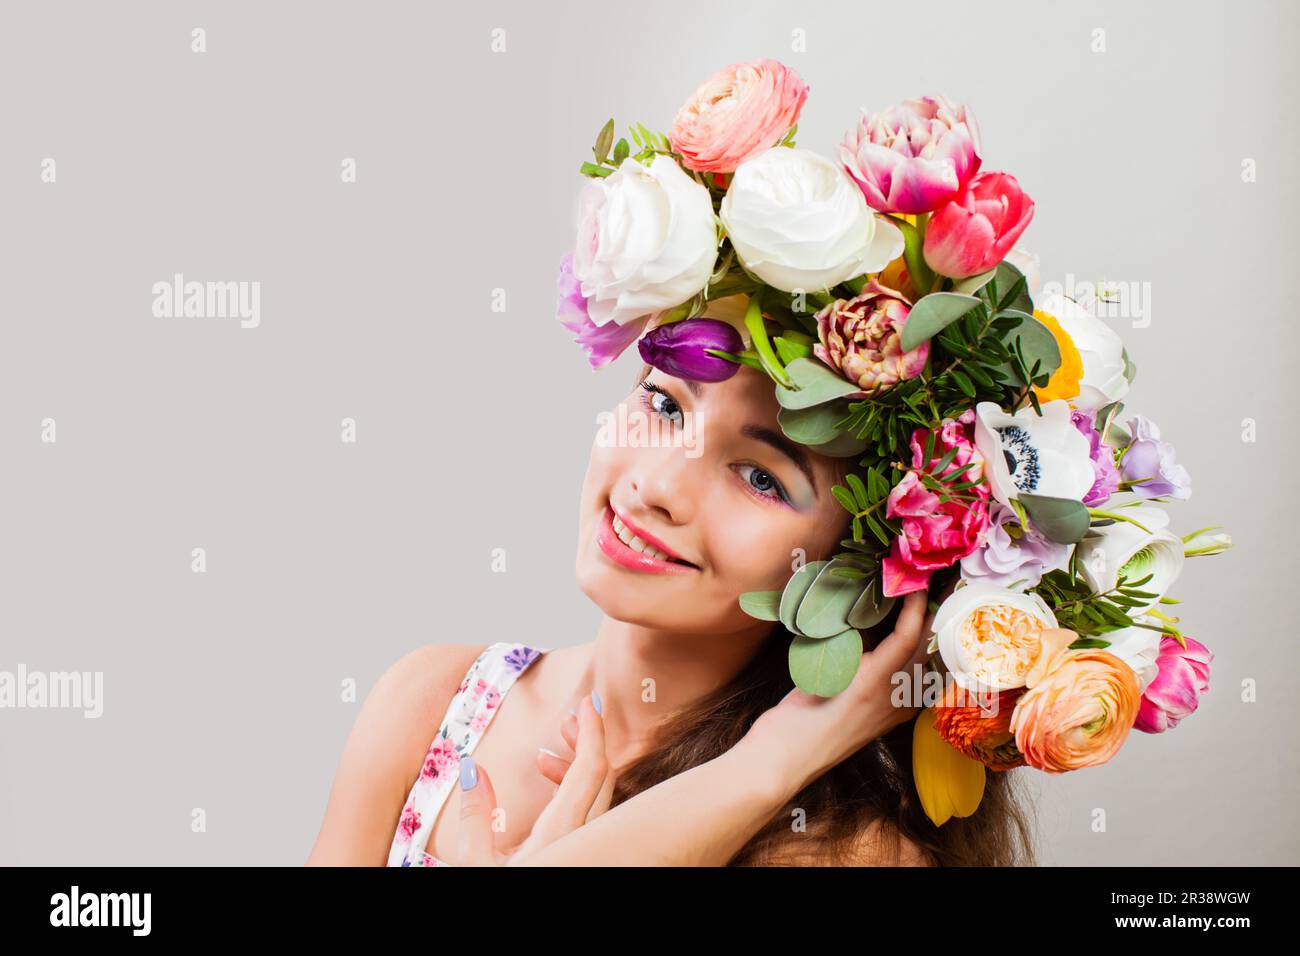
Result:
x=784 y=445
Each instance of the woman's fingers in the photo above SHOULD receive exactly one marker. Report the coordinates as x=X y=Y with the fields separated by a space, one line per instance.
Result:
x=910 y=630
x=475 y=841
x=552 y=766
x=585 y=784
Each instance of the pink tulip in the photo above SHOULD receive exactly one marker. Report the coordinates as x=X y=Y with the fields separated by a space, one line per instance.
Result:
x=1184 y=675
x=912 y=157
x=975 y=230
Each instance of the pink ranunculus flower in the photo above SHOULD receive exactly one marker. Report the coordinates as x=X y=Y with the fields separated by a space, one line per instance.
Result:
x=737 y=113
x=861 y=338
x=976 y=229
x=936 y=534
x=912 y=157
x=1184 y=675
x=601 y=343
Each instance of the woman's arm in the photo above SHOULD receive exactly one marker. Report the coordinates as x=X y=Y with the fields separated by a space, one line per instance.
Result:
x=383 y=753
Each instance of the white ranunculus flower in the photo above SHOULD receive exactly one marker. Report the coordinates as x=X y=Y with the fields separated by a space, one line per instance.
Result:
x=647 y=240
x=1033 y=454
x=1139 y=648
x=798 y=221
x=1100 y=348
x=988 y=636
x=1110 y=549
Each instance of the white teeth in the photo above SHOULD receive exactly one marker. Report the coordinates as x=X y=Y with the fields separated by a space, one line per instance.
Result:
x=635 y=543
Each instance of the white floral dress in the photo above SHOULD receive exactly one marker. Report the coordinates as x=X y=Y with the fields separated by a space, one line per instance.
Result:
x=472 y=707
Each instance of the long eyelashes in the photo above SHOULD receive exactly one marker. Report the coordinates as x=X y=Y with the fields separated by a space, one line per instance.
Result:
x=650 y=390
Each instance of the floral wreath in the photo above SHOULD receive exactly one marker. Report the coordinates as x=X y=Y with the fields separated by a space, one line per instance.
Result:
x=986 y=428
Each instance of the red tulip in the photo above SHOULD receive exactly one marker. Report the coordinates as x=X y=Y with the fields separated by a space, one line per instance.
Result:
x=976 y=229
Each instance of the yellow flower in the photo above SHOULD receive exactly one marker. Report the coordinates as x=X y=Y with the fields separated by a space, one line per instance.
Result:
x=949 y=783
x=1064 y=382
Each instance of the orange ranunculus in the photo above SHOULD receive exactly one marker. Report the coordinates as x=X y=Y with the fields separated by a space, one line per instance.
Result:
x=1077 y=711
x=1064 y=382
x=981 y=734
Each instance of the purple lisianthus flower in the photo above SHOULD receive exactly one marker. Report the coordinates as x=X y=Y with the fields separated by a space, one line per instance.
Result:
x=1103 y=458
x=678 y=349
x=602 y=343
x=1004 y=560
x=1148 y=457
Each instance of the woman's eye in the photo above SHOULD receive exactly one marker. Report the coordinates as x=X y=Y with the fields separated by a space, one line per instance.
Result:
x=762 y=483
x=661 y=403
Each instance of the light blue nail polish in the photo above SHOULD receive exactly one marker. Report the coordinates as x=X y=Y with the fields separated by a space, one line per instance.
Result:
x=468 y=773
x=595 y=700
x=573 y=711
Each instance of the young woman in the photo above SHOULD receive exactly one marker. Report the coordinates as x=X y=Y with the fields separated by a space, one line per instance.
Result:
x=675 y=737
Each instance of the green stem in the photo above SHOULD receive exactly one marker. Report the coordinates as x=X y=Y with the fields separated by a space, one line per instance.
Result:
x=762 y=344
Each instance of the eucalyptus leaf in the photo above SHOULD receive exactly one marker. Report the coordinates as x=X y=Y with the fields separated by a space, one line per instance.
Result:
x=932 y=314
x=795 y=589
x=825 y=667
x=824 y=610
x=811 y=426
x=973 y=284
x=1062 y=520
x=871 y=608
x=1007 y=277
x=816 y=384
x=764 y=605
x=1037 y=343
x=845 y=445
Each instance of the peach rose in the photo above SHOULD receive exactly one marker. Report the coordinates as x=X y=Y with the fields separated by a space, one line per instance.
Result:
x=1078 y=710
x=737 y=113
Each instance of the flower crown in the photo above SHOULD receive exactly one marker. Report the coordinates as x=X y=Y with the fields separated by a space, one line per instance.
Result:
x=883 y=294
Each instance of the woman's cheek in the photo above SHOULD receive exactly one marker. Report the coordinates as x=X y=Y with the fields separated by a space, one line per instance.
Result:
x=754 y=551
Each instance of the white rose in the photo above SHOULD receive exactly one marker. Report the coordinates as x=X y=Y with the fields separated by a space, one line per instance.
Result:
x=1033 y=454
x=1100 y=348
x=798 y=221
x=647 y=240
x=1139 y=648
x=1000 y=652
x=1109 y=549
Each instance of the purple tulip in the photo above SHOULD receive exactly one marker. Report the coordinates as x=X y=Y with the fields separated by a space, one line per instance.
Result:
x=602 y=343
x=678 y=349
x=1147 y=456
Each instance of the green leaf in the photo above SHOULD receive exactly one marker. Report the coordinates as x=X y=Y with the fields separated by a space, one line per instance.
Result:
x=1130 y=369
x=1062 y=520
x=811 y=426
x=762 y=344
x=764 y=605
x=825 y=667
x=591 y=169
x=824 y=610
x=1015 y=289
x=859 y=491
x=932 y=314
x=815 y=384
x=789 y=349
x=843 y=496
x=843 y=445
x=621 y=150
x=604 y=141
x=871 y=608
x=795 y=589
x=1035 y=343
x=973 y=284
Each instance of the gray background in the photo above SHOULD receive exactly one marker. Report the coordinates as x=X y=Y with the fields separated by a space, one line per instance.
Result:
x=328 y=561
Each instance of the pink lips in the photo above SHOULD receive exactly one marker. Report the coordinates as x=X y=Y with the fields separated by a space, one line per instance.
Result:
x=624 y=556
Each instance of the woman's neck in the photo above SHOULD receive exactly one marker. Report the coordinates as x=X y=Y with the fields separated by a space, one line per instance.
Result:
x=642 y=675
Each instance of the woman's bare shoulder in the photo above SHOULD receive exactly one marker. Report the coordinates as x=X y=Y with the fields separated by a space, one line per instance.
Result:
x=411 y=696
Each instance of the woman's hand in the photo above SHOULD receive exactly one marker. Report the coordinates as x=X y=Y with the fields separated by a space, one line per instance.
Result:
x=805 y=735
x=585 y=789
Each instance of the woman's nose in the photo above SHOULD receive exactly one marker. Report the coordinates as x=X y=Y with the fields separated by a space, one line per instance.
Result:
x=666 y=482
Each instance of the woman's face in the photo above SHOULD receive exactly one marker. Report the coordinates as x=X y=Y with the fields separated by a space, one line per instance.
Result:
x=702 y=473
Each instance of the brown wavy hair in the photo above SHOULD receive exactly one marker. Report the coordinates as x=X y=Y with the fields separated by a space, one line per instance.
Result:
x=871 y=788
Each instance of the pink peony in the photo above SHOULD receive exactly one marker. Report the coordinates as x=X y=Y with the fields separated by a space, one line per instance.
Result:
x=913 y=157
x=974 y=231
x=737 y=113
x=936 y=534
x=1184 y=675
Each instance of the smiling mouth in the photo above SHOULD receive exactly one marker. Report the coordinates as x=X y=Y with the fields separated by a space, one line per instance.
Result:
x=629 y=547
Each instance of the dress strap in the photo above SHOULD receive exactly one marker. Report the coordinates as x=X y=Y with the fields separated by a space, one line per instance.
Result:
x=471 y=709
